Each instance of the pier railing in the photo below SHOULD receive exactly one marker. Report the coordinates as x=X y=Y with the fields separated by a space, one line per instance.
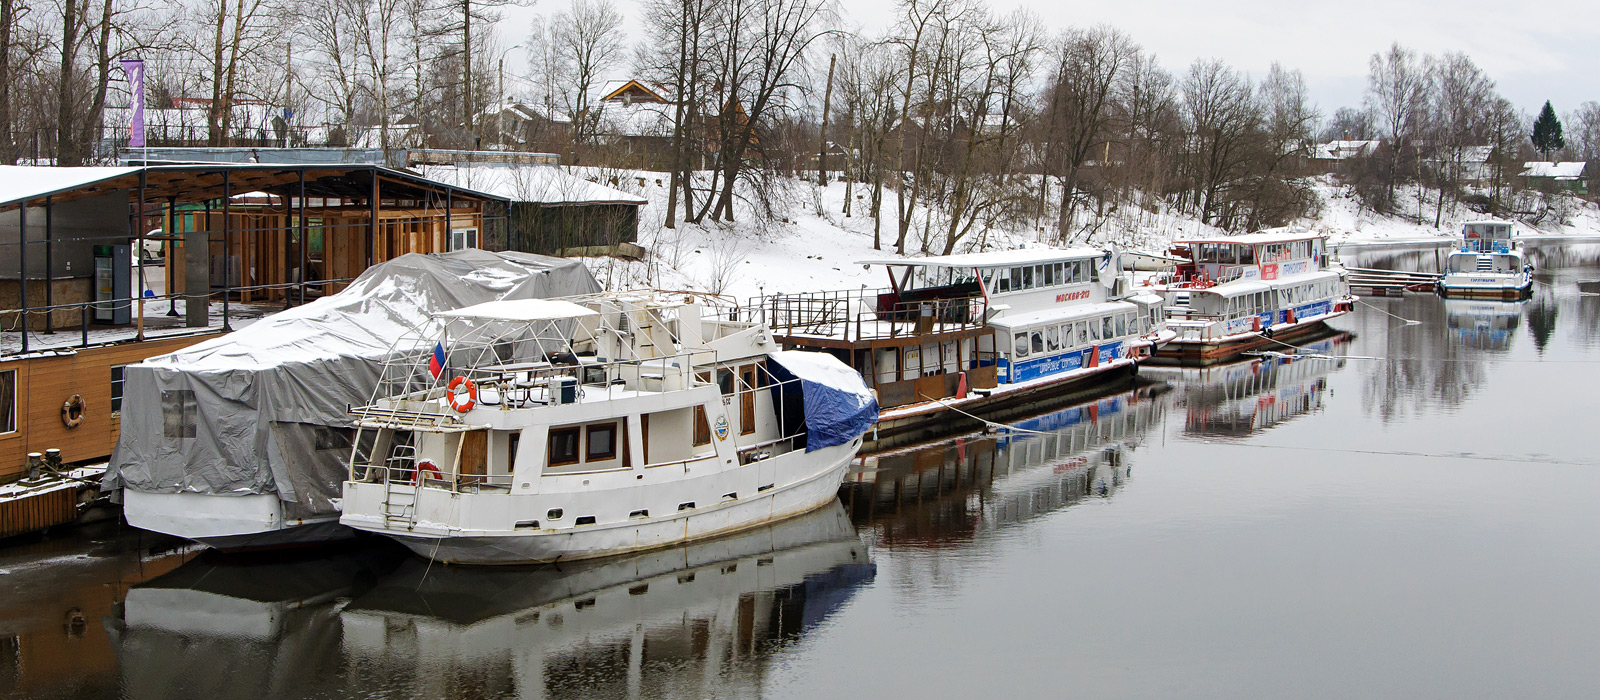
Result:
x=864 y=314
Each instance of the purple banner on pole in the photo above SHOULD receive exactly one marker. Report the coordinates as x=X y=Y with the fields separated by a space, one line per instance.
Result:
x=134 y=67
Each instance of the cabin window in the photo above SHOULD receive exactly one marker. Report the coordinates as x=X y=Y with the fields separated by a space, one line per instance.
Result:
x=1052 y=338
x=702 y=428
x=1019 y=344
x=116 y=390
x=1106 y=328
x=463 y=238
x=513 y=441
x=747 y=400
x=178 y=411
x=725 y=381
x=1002 y=281
x=564 y=446
x=1050 y=275
x=8 y=401
x=1094 y=330
x=1036 y=342
x=1122 y=325
x=644 y=434
x=600 y=442
x=987 y=274
x=1083 y=332
x=1247 y=255
x=1027 y=278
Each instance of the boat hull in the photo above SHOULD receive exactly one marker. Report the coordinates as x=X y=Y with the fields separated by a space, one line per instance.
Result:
x=1207 y=352
x=230 y=523
x=607 y=539
x=911 y=424
x=1506 y=287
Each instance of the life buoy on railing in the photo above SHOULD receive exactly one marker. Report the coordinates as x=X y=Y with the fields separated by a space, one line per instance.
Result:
x=72 y=411
x=426 y=466
x=454 y=393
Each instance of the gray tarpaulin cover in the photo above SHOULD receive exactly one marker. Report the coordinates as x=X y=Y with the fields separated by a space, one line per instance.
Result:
x=263 y=409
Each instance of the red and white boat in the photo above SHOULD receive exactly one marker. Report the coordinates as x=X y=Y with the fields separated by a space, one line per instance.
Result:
x=1240 y=293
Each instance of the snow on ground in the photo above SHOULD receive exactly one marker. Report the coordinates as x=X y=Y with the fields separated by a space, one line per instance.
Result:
x=814 y=247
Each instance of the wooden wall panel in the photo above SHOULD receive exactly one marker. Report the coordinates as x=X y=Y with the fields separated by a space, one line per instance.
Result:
x=45 y=383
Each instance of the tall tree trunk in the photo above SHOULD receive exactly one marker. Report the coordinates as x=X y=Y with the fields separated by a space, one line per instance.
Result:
x=214 y=110
x=466 y=68
x=233 y=71
x=66 y=86
x=8 y=147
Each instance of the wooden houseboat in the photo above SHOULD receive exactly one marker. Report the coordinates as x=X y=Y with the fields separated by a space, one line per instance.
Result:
x=1488 y=265
x=978 y=336
x=1243 y=293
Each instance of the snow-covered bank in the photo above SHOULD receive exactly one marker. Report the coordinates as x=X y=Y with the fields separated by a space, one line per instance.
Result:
x=813 y=246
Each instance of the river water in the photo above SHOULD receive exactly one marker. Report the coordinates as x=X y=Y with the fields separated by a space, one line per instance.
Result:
x=1408 y=511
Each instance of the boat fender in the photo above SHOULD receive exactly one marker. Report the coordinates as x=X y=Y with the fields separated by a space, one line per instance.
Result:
x=461 y=386
x=1267 y=332
x=72 y=411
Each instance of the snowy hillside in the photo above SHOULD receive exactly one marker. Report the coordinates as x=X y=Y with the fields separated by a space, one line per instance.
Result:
x=815 y=247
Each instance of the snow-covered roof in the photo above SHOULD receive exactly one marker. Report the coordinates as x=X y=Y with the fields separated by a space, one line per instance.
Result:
x=544 y=184
x=1340 y=150
x=523 y=310
x=1567 y=170
x=637 y=119
x=23 y=182
x=1071 y=313
x=997 y=258
x=1258 y=238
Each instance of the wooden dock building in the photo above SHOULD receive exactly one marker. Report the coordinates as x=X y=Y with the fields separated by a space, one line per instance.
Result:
x=106 y=266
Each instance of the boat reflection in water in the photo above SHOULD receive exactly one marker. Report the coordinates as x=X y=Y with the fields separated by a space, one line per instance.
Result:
x=271 y=619
x=944 y=493
x=1244 y=398
x=1485 y=325
x=693 y=621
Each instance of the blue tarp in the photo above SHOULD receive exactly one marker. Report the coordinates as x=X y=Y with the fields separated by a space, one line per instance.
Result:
x=837 y=405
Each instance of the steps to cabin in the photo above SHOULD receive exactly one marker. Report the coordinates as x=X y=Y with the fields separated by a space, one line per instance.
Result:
x=1485 y=263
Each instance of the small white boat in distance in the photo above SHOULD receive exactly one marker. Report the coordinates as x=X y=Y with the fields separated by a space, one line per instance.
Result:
x=543 y=430
x=1488 y=265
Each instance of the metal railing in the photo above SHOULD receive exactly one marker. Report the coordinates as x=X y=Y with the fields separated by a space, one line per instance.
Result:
x=865 y=314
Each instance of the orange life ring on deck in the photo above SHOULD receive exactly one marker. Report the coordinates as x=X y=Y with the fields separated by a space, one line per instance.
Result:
x=426 y=466
x=72 y=411
x=471 y=392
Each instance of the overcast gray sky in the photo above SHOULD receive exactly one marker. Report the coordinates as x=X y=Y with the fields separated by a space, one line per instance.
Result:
x=1552 y=54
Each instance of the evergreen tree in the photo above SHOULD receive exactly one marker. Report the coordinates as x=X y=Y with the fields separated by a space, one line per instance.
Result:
x=1547 y=132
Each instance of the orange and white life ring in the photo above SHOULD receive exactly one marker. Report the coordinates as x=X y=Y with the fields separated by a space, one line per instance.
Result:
x=426 y=466
x=454 y=393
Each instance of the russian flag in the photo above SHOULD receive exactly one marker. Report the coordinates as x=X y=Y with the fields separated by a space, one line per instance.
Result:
x=436 y=362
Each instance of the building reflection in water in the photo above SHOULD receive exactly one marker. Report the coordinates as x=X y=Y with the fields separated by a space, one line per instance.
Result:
x=944 y=494
x=1244 y=398
x=55 y=598
x=689 y=621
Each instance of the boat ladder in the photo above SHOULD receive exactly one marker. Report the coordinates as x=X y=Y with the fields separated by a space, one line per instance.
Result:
x=1485 y=263
x=400 y=499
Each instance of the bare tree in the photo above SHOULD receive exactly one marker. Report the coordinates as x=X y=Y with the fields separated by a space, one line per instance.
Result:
x=1398 y=85
x=1088 y=64
x=588 y=42
x=1221 y=108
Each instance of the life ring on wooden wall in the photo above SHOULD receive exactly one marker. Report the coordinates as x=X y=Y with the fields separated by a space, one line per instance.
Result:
x=451 y=394
x=72 y=411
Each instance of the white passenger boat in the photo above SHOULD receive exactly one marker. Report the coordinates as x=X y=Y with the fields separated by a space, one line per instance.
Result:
x=542 y=430
x=1241 y=293
x=1488 y=265
x=981 y=334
